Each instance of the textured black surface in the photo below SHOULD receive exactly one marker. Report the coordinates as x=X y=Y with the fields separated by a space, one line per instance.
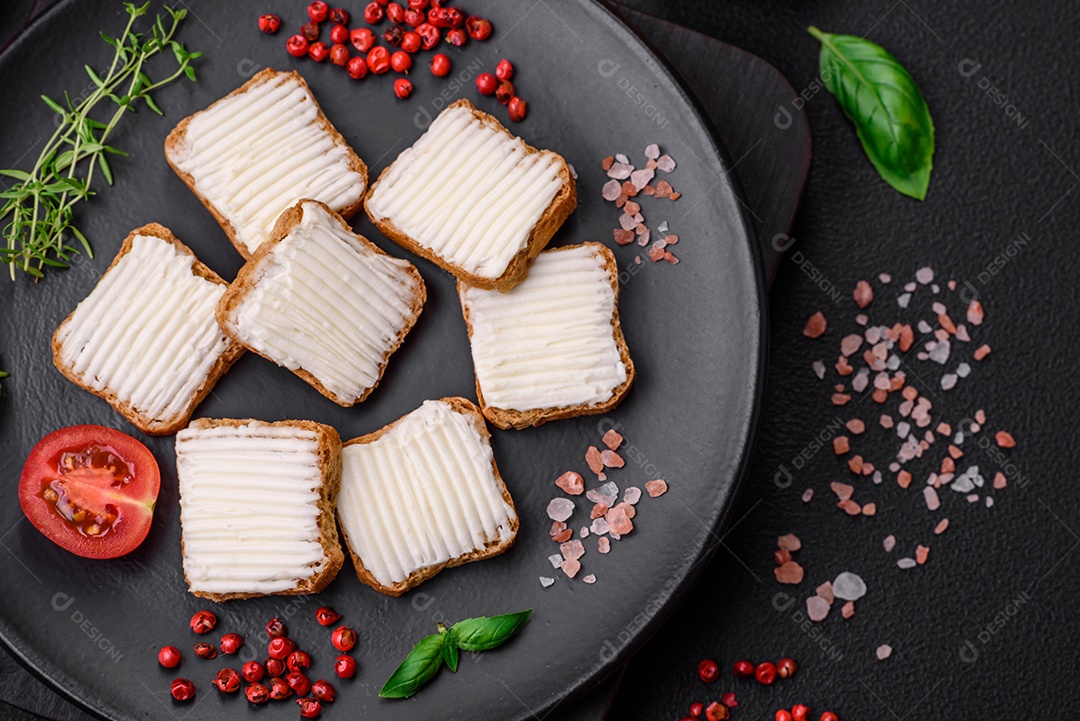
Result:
x=993 y=180
x=140 y=602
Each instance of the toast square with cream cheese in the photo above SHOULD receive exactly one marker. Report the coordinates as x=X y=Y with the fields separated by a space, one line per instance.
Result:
x=146 y=339
x=552 y=347
x=258 y=150
x=473 y=198
x=423 y=494
x=257 y=507
x=323 y=302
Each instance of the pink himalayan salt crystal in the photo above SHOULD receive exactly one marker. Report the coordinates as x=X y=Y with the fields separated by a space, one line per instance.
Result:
x=560 y=509
x=656 y=488
x=571 y=567
x=603 y=545
x=612 y=439
x=869 y=509
x=572 y=483
x=546 y=581
x=632 y=495
x=889 y=543
x=941 y=526
x=1000 y=481
x=883 y=651
x=572 y=550
x=591 y=578
x=807 y=495
x=817 y=608
x=826 y=592
x=618 y=521
x=790 y=572
x=789 y=542
x=864 y=294
x=843 y=491
x=932 y=501
x=848 y=609
x=611 y=459
x=592 y=457
x=850 y=344
x=850 y=507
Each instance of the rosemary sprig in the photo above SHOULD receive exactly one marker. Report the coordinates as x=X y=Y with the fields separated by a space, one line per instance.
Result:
x=38 y=208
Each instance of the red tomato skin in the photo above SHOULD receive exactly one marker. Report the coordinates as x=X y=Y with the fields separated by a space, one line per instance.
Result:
x=136 y=505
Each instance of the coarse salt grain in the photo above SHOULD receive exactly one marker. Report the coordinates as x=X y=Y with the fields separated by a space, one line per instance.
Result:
x=906 y=563
x=826 y=592
x=572 y=483
x=790 y=573
x=815 y=325
x=889 y=543
x=807 y=495
x=817 y=608
x=849 y=586
x=546 y=581
x=560 y=509
x=789 y=542
x=883 y=651
x=555 y=559
x=848 y=609
x=591 y=578
x=632 y=495
x=656 y=488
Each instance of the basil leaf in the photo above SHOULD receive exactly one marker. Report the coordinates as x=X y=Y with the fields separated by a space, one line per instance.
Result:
x=486 y=632
x=890 y=115
x=450 y=653
x=417 y=668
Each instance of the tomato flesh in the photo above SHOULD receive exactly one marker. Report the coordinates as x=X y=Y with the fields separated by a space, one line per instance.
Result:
x=90 y=490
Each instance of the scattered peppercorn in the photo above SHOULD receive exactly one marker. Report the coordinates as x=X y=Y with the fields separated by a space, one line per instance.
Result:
x=318 y=52
x=205 y=650
x=765 y=672
x=169 y=656
x=345 y=666
x=402 y=88
x=269 y=23
x=708 y=671
x=182 y=689
x=203 y=622
x=786 y=668
x=275 y=627
x=744 y=669
x=318 y=11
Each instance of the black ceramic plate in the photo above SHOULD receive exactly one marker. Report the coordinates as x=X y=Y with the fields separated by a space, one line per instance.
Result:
x=695 y=330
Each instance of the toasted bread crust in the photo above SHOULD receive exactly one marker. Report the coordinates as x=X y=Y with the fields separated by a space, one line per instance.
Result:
x=249 y=274
x=467 y=407
x=154 y=426
x=176 y=137
x=560 y=208
x=506 y=418
x=330 y=464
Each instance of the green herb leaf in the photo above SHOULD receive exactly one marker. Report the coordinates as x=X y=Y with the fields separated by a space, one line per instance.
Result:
x=487 y=632
x=417 y=669
x=38 y=214
x=105 y=169
x=450 y=650
x=890 y=115
x=57 y=107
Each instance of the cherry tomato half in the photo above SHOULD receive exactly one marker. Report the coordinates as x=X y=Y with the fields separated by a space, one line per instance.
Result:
x=90 y=490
